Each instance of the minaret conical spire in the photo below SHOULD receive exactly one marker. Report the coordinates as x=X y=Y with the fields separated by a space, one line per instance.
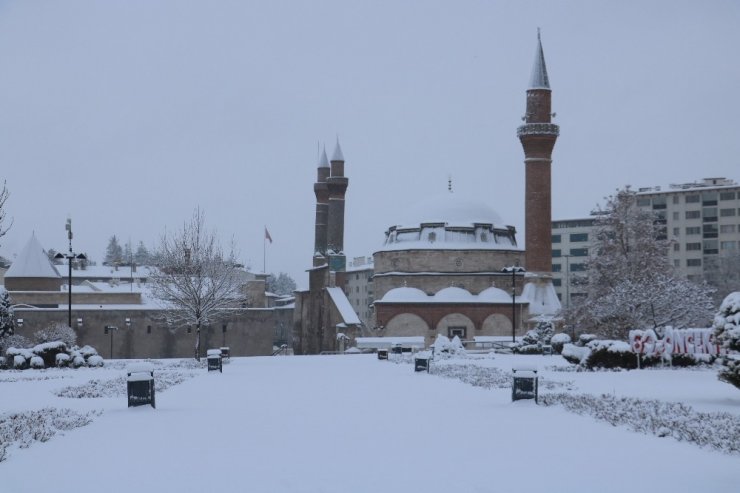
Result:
x=539 y=79
x=337 y=155
x=323 y=160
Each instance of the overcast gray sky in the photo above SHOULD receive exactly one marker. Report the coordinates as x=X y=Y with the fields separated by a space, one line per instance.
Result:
x=128 y=115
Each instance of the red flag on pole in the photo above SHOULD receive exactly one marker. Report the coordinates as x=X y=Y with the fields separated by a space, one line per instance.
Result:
x=267 y=235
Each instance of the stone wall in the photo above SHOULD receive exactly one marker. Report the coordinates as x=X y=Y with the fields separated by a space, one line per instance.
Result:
x=247 y=332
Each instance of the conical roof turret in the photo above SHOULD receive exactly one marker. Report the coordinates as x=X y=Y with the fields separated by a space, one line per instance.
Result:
x=539 y=79
x=32 y=262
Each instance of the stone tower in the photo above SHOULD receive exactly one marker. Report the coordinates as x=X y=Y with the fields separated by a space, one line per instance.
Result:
x=538 y=136
x=337 y=185
x=321 y=189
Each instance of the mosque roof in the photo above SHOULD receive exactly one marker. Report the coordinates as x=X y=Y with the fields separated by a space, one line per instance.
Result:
x=32 y=262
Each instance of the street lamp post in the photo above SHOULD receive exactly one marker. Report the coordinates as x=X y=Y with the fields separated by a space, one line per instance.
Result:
x=70 y=257
x=109 y=330
x=513 y=269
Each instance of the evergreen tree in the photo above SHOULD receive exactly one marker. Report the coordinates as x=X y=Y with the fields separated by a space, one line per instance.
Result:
x=141 y=257
x=128 y=254
x=7 y=320
x=282 y=285
x=114 y=252
x=727 y=332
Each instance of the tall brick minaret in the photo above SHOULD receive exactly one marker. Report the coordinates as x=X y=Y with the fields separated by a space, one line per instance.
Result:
x=538 y=136
x=321 y=189
x=337 y=184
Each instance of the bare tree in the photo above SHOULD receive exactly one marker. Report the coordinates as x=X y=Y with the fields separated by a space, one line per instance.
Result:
x=630 y=283
x=195 y=282
x=4 y=194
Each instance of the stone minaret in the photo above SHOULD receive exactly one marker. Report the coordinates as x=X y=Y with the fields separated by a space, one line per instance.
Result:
x=321 y=189
x=538 y=136
x=337 y=184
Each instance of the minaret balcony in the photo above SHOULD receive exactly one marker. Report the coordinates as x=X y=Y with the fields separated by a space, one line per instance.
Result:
x=538 y=129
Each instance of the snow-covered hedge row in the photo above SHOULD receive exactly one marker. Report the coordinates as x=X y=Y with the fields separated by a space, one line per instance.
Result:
x=117 y=386
x=50 y=354
x=720 y=431
x=609 y=354
x=727 y=332
x=26 y=427
x=482 y=376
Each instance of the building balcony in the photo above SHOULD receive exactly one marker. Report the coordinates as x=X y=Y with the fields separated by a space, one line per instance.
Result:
x=538 y=129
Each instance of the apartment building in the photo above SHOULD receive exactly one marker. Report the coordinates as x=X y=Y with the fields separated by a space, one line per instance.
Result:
x=358 y=286
x=702 y=221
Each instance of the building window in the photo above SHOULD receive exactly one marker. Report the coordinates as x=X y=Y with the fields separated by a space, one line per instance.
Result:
x=709 y=198
x=556 y=267
x=577 y=267
x=556 y=253
x=675 y=199
x=676 y=231
x=710 y=231
x=578 y=237
x=579 y=252
x=676 y=263
x=693 y=214
x=709 y=214
x=691 y=247
x=659 y=203
x=727 y=196
x=676 y=247
x=727 y=245
x=711 y=247
x=693 y=230
x=643 y=202
x=556 y=238
x=675 y=216
x=727 y=228
x=691 y=199
x=148 y=329
x=456 y=331
x=557 y=282
x=693 y=262
x=726 y=212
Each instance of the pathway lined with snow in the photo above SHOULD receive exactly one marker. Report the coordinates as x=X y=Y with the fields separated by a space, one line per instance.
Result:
x=350 y=423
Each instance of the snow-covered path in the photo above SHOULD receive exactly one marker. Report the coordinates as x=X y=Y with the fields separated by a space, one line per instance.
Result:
x=352 y=423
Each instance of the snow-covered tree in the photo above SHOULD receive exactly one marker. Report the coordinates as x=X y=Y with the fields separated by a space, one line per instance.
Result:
x=56 y=332
x=283 y=284
x=723 y=273
x=7 y=319
x=113 y=252
x=128 y=254
x=141 y=257
x=727 y=332
x=196 y=282
x=4 y=194
x=630 y=282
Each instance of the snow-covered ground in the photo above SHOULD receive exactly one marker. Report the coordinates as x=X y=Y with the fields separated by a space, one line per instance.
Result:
x=353 y=423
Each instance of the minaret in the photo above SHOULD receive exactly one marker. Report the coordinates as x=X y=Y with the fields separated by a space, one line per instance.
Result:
x=538 y=136
x=337 y=184
x=321 y=189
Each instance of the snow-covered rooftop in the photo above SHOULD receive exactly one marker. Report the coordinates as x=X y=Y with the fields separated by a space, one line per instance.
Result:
x=343 y=305
x=32 y=262
x=449 y=295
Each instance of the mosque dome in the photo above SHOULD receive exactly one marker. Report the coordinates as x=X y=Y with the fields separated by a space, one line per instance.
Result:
x=405 y=295
x=453 y=222
x=451 y=209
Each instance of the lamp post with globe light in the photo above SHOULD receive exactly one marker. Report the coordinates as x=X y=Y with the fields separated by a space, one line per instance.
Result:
x=513 y=269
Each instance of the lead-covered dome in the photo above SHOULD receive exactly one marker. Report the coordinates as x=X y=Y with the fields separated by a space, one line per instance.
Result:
x=452 y=222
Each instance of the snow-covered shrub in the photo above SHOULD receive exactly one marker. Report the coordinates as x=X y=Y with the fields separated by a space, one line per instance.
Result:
x=37 y=362
x=3 y=363
x=95 y=360
x=609 y=354
x=48 y=351
x=14 y=340
x=56 y=332
x=78 y=361
x=540 y=335
x=62 y=360
x=727 y=332
x=444 y=347
x=574 y=354
x=527 y=349
x=584 y=339
x=558 y=341
x=20 y=362
x=87 y=351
